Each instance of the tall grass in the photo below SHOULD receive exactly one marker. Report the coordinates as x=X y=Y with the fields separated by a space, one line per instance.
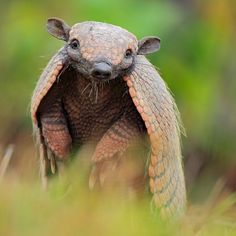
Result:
x=70 y=208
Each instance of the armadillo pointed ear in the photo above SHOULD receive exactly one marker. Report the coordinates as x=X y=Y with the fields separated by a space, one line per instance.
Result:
x=58 y=28
x=148 y=45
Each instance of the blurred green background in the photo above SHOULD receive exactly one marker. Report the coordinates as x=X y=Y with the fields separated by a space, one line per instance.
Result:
x=197 y=60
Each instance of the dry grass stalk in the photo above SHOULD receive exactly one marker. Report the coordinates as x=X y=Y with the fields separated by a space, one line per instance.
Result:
x=6 y=160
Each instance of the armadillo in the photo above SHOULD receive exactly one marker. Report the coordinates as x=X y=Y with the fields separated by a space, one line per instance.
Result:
x=100 y=87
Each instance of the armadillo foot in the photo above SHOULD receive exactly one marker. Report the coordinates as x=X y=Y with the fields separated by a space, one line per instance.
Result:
x=101 y=171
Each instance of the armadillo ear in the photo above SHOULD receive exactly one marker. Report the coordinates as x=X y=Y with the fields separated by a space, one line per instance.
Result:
x=58 y=28
x=148 y=45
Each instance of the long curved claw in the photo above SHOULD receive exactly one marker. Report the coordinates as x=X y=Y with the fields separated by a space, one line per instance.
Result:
x=44 y=166
x=100 y=172
x=52 y=159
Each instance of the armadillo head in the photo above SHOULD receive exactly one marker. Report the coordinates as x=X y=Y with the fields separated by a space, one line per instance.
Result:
x=101 y=51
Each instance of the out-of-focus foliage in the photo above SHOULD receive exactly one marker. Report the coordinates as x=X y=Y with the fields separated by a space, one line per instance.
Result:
x=197 y=60
x=69 y=209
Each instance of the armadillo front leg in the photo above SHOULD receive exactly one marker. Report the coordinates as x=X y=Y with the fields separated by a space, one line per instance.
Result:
x=56 y=141
x=111 y=146
x=55 y=136
x=55 y=132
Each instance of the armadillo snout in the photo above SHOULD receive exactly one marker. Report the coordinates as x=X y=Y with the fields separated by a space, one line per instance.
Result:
x=101 y=70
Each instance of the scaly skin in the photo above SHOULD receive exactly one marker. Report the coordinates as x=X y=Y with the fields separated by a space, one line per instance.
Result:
x=159 y=112
x=71 y=112
x=72 y=106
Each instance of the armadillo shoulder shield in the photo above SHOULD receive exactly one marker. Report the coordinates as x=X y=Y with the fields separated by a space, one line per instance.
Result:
x=48 y=77
x=160 y=114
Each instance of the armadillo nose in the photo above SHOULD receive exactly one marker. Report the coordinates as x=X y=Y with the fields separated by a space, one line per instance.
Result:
x=102 y=70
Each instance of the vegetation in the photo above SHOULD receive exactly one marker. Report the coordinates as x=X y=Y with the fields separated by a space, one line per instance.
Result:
x=197 y=60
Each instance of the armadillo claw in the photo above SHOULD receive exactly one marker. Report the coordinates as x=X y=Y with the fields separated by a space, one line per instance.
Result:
x=101 y=171
x=52 y=160
x=93 y=178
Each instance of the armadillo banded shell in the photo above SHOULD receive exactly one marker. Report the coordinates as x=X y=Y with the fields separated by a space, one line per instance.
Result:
x=159 y=112
x=46 y=80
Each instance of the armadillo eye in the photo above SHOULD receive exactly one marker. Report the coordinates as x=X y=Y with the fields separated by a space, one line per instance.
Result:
x=74 y=44
x=128 y=53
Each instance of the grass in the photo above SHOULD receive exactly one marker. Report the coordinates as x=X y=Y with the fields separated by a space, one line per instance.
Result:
x=69 y=208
